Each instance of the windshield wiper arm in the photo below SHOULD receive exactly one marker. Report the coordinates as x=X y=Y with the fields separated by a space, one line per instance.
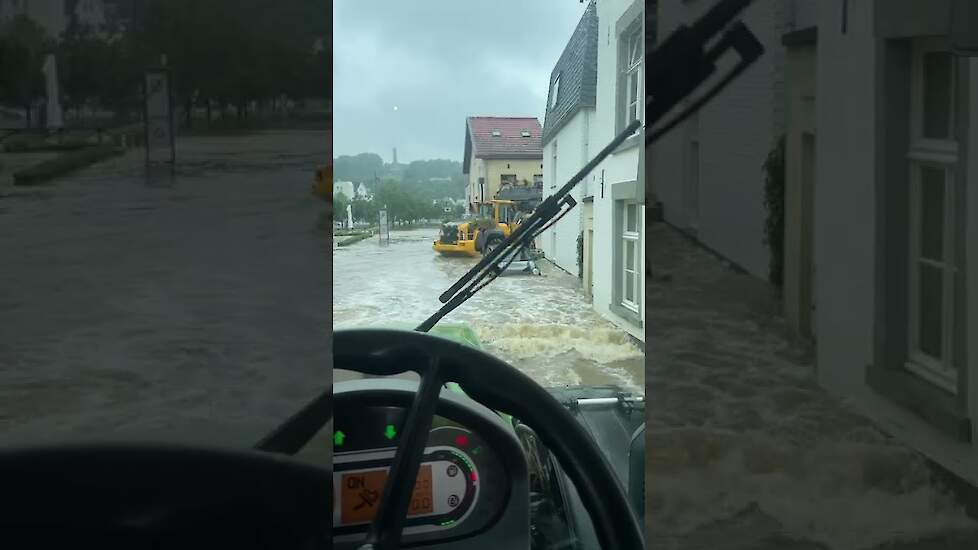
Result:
x=546 y=214
x=677 y=67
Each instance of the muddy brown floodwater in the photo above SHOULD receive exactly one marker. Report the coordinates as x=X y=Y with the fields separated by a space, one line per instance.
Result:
x=191 y=304
x=746 y=451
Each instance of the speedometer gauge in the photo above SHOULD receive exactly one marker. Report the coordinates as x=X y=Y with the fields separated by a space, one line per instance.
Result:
x=445 y=491
x=461 y=488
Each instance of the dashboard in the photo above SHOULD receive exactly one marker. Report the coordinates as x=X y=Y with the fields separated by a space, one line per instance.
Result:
x=472 y=486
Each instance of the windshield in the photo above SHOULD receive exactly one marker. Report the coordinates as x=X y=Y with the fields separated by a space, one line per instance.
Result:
x=567 y=312
x=143 y=289
x=559 y=327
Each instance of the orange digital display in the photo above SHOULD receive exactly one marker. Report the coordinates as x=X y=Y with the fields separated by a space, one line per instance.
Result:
x=360 y=494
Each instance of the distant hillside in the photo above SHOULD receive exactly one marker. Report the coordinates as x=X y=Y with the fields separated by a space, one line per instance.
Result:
x=434 y=179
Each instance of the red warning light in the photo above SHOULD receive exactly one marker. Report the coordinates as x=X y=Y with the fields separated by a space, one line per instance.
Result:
x=472 y=474
x=461 y=440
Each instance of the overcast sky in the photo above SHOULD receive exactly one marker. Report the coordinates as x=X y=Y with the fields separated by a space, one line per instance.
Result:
x=406 y=74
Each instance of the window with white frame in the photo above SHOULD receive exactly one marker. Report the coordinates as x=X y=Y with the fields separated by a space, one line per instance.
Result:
x=629 y=259
x=630 y=80
x=936 y=258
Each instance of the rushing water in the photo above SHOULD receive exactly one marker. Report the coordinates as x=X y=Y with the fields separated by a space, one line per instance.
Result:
x=543 y=325
x=193 y=303
x=746 y=451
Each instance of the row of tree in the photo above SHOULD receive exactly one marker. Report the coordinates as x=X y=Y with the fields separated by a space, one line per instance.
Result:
x=403 y=205
x=237 y=53
x=429 y=179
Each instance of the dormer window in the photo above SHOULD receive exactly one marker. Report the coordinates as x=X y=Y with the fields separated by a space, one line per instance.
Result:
x=496 y=133
x=554 y=90
x=525 y=133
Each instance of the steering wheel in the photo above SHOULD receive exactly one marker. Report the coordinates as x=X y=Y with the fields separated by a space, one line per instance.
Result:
x=499 y=386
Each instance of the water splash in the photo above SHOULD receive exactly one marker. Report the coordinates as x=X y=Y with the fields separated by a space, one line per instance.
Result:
x=544 y=326
x=856 y=495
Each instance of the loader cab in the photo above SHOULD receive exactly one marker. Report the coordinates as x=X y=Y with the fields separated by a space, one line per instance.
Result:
x=500 y=211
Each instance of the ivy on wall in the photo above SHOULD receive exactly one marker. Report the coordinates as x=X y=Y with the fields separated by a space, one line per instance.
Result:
x=774 y=170
x=580 y=255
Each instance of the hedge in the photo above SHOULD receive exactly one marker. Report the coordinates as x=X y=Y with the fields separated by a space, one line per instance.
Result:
x=29 y=143
x=64 y=164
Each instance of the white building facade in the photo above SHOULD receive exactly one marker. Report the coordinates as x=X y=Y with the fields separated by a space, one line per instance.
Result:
x=614 y=221
x=896 y=238
x=347 y=188
x=596 y=88
x=708 y=173
x=566 y=137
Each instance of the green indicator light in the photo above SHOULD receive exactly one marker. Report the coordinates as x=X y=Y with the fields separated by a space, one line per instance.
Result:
x=338 y=438
x=390 y=432
x=476 y=450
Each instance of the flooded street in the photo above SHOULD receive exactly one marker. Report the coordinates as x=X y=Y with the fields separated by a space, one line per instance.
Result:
x=544 y=325
x=190 y=304
x=746 y=451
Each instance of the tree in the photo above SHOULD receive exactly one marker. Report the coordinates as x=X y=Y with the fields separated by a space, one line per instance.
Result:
x=340 y=202
x=98 y=69
x=423 y=171
x=364 y=167
x=79 y=57
x=23 y=45
x=364 y=210
x=235 y=52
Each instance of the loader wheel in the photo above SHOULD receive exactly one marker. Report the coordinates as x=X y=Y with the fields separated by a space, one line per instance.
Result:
x=491 y=244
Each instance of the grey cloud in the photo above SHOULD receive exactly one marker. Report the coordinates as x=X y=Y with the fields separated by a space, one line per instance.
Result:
x=439 y=61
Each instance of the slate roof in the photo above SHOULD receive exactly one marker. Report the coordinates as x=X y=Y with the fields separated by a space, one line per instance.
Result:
x=509 y=144
x=578 y=70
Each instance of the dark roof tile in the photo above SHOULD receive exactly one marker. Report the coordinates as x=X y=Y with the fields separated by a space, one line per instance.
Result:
x=578 y=70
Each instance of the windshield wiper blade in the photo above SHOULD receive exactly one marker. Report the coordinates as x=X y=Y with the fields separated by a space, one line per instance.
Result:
x=676 y=69
x=547 y=213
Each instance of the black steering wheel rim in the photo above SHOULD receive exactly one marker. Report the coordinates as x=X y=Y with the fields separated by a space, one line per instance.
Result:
x=499 y=386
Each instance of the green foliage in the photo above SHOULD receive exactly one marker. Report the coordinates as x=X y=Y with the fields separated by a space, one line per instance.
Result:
x=245 y=54
x=340 y=202
x=233 y=52
x=353 y=239
x=23 y=45
x=417 y=177
x=99 y=70
x=64 y=164
x=404 y=206
x=26 y=143
x=580 y=255
x=365 y=167
x=424 y=170
x=774 y=168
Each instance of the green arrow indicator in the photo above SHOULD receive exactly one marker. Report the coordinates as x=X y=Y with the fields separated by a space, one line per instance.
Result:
x=338 y=438
x=390 y=432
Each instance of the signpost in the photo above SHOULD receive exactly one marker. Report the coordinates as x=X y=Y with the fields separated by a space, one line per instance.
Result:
x=160 y=138
x=384 y=229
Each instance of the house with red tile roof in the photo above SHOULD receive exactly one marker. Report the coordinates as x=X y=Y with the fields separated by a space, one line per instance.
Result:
x=500 y=151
